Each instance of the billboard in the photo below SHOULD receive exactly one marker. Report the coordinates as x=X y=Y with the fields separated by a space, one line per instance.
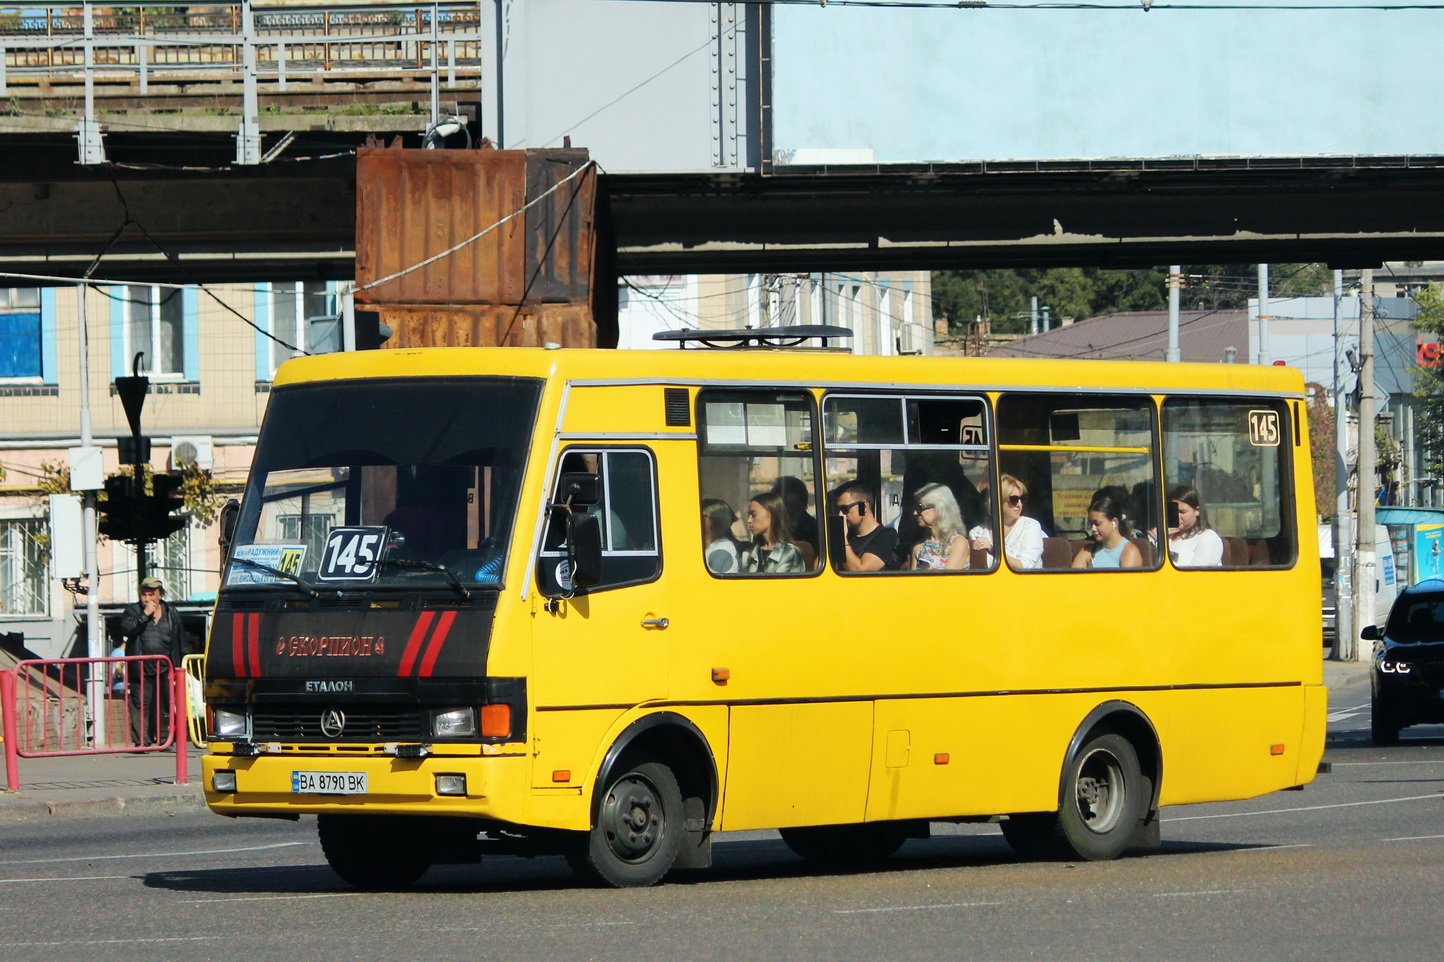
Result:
x=964 y=82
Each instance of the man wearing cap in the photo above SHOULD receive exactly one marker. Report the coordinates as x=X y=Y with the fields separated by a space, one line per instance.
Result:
x=151 y=627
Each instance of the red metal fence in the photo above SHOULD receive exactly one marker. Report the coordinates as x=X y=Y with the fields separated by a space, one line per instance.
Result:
x=139 y=706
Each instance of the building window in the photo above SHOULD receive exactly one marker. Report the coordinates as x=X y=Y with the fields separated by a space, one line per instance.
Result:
x=155 y=327
x=299 y=315
x=171 y=563
x=21 y=344
x=24 y=564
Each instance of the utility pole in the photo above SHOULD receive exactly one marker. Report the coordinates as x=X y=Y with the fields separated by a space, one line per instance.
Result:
x=86 y=476
x=1365 y=544
x=1175 y=281
x=1033 y=315
x=1344 y=633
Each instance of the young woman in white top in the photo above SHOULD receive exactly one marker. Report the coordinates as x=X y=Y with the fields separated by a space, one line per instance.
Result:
x=1022 y=536
x=1193 y=544
x=945 y=548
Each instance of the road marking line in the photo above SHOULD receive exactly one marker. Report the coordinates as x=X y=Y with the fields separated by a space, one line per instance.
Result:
x=915 y=908
x=1344 y=713
x=275 y=898
x=1170 y=895
x=1411 y=838
x=187 y=938
x=1270 y=848
x=210 y=851
x=1437 y=761
x=1308 y=808
x=77 y=878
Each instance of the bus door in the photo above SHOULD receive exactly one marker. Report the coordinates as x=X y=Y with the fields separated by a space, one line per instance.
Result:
x=600 y=651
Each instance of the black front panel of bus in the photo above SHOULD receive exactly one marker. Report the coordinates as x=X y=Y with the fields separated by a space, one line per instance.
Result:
x=319 y=643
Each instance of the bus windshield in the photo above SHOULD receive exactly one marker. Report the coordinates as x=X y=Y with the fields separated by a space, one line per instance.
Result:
x=396 y=483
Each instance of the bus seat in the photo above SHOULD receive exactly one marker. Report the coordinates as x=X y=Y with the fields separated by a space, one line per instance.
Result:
x=978 y=559
x=1259 y=554
x=1145 y=549
x=1057 y=553
x=1235 y=552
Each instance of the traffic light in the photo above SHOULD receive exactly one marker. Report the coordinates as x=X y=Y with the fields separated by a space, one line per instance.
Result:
x=117 y=511
x=156 y=521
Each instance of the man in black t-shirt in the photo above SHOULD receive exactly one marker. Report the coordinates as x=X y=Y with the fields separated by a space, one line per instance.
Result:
x=870 y=545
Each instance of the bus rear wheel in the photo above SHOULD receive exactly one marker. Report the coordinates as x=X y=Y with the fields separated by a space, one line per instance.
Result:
x=1104 y=797
x=843 y=845
x=638 y=829
x=372 y=852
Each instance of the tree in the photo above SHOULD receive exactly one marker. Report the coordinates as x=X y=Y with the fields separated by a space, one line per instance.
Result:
x=1322 y=448
x=1429 y=384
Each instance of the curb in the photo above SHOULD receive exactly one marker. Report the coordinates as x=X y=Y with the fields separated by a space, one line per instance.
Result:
x=26 y=808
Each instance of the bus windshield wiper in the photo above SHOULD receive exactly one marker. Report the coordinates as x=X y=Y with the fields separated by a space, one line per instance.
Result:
x=305 y=586
x=419 y=564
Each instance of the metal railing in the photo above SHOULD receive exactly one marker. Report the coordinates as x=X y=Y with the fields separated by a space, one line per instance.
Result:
x=92 y=706
x=147 y=42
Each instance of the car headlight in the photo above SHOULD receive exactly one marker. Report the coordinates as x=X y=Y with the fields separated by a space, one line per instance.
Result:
x=232 y=725
x=1395 y=667
x=455 y=723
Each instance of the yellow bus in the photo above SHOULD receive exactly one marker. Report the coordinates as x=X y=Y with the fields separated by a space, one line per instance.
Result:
x=605 y=604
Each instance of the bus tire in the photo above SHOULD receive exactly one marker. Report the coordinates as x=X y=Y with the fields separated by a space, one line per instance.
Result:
x=637 y=831
x=371 y=852
x=1104 y=798
x=841 y=846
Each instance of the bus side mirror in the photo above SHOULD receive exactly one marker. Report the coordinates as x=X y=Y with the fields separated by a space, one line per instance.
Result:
x=584 y=548
x=230 y=515
x=1370 y=633
x=579 y=489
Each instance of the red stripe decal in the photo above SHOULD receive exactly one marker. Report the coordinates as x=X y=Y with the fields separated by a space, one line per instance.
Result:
x=442 y=627
x=413 y=644
x=255 y=644
x=238 y=645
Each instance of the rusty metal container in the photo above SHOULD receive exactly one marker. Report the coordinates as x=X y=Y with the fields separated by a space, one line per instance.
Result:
x=527 y=281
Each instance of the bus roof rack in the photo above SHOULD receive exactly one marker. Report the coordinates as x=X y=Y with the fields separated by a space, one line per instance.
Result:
x=746 y=337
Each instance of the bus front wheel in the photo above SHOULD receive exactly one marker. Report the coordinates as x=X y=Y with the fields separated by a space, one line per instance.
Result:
x=637 y=831
x=372 y=852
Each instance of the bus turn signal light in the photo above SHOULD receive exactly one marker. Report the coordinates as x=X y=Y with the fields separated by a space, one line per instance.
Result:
x=941 y=758
x=720 y=675
x=495 y=721
x=1276 y=749
x=562 y=775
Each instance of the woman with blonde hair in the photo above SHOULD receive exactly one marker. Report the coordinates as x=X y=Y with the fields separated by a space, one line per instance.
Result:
x=1022 y=536
x=946 y=546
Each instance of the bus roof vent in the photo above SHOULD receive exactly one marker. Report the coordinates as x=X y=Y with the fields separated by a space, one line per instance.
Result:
x=759 y=337
x=679 y=413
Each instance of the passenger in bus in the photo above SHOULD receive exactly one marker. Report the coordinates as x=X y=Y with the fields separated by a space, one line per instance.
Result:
x=772 y=550
x=1193 y=543
x=869 y=545
x=722 y=552
x=1111 y=547
x=793 y=492
x=1022 y=536
x=944 y=547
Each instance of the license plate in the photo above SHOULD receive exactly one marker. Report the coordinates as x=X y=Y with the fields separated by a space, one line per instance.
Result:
x=329 y=783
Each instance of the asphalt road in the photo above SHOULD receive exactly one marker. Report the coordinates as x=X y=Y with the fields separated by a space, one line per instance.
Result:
x=1347 y=869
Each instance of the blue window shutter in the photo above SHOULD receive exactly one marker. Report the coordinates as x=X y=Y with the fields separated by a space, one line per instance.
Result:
x=20 y=345
x=191 y=326
x=118 y=366
x=48 y=361
x=261 y=308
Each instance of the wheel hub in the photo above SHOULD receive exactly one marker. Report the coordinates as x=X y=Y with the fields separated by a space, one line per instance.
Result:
x=632 y=818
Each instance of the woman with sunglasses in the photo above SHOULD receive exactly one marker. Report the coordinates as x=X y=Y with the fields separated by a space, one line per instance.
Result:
x=1022 y=536
x=946 y=547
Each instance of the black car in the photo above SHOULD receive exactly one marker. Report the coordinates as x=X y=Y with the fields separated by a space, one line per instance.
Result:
x=1408 y=677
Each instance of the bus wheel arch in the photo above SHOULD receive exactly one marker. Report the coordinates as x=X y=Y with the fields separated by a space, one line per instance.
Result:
x=687 y=778
x=1108 y=791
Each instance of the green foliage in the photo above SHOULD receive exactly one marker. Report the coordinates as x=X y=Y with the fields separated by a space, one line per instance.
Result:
x=1004 y=295
x=1322 y=449
x=1429 y=384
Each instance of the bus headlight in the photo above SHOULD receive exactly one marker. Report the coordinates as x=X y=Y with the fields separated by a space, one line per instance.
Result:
x=231 y=725
x=455 y=723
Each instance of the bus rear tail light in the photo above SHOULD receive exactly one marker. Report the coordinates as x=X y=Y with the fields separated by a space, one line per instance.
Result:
x=495 y=721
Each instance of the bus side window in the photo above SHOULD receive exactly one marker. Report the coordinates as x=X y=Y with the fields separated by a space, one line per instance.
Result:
x=627 y=514
x=757 y=471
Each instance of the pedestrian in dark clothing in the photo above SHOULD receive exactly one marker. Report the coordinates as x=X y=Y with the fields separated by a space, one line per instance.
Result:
x=151 y=627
